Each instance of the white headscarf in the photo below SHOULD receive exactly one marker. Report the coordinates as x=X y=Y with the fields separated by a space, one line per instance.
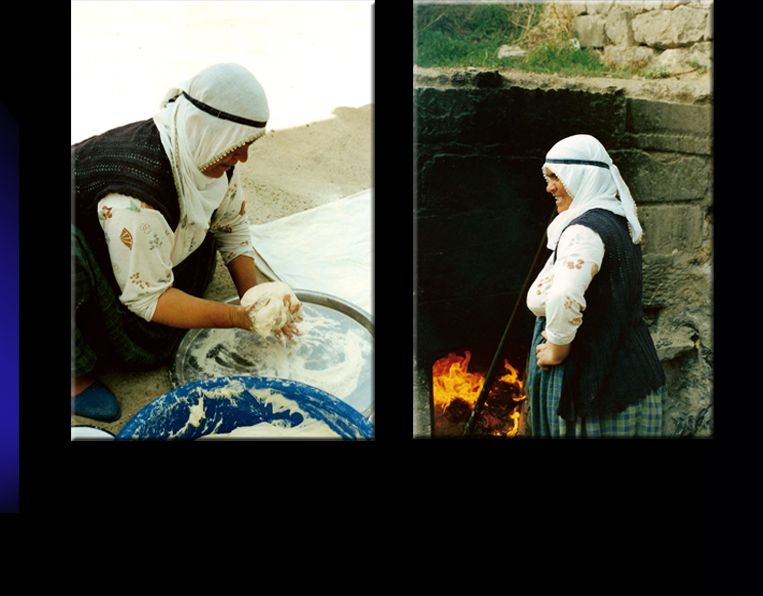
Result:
x=593 y=182
x=194 y=138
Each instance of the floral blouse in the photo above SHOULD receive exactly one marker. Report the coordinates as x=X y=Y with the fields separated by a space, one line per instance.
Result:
x=144 y=249
x=558 y=291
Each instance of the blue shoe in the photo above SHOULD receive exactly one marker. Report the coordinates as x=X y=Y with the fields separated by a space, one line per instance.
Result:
x=98 y=403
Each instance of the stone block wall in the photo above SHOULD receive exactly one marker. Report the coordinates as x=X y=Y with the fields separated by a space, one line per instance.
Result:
x=670 y=34
x=480 y=143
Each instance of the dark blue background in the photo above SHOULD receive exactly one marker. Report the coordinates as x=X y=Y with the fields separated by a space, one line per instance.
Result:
x=9 y=307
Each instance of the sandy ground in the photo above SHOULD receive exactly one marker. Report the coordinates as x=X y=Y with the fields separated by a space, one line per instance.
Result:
x=319 y=142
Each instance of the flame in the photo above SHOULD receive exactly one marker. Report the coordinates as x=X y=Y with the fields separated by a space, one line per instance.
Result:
x=456 y=391
x=452 y=379
x=512 y=377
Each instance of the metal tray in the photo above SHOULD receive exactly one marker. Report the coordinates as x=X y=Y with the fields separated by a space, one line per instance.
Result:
x=334 y=352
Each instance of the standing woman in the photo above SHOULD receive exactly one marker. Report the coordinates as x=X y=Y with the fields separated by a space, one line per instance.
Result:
x=152 y=202
x=593 y=370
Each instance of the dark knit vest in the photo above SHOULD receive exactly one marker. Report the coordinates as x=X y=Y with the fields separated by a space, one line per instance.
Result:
x=612 y=363
x=128 y=160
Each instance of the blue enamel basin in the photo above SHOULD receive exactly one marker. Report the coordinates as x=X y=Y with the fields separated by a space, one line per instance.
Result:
x=232 y=402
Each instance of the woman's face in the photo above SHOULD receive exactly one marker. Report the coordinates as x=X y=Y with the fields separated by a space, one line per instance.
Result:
x=555 y=187
x=217 y=169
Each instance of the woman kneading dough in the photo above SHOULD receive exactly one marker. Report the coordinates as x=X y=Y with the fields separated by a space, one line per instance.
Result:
x=153 y=203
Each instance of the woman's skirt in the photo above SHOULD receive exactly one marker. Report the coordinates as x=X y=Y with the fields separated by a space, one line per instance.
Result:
x=104 y=330
x=544 y=388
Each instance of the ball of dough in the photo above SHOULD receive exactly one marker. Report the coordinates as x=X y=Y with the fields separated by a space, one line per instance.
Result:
x=269 y=313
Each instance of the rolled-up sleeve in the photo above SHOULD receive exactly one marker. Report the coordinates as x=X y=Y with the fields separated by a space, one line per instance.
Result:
x=579 y=256
x=230 y=225
x=140 y=245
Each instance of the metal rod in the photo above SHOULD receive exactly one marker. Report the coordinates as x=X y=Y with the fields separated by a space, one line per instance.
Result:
x=494 y=367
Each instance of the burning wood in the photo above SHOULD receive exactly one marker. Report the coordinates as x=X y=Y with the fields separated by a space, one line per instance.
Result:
x=456 y=391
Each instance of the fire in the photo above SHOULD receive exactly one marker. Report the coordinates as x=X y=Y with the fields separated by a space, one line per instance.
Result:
x=452 y=379
x=456 y=391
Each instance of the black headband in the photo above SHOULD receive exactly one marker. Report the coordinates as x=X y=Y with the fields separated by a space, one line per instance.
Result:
x=223 y=115
x=581 y=162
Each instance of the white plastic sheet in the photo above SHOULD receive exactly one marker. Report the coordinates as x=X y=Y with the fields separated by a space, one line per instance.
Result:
x=327 y=249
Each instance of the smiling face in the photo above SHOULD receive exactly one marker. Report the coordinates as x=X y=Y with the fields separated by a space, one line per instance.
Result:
x=217 y=169
x=556 y=188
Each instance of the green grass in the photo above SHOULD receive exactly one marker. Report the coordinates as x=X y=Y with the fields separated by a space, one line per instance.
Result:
x=559 y=56
x=467 y=35
x=470 y=35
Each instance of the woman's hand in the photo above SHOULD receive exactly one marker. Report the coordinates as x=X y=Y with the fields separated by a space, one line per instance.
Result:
x=290 y=330
x=549 y=354
x=239 y=317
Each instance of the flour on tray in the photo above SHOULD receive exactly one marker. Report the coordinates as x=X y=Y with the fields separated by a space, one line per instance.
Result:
x=309 y=427
x=278 y=429
x=331 y=355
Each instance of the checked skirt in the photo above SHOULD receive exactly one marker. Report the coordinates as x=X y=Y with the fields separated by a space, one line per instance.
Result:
x=544 y=388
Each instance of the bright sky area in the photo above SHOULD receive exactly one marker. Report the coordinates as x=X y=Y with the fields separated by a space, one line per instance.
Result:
x=310 y=57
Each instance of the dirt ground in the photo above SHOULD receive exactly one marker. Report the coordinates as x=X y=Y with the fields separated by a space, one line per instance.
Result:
x=692 y=87
x=288 y=171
